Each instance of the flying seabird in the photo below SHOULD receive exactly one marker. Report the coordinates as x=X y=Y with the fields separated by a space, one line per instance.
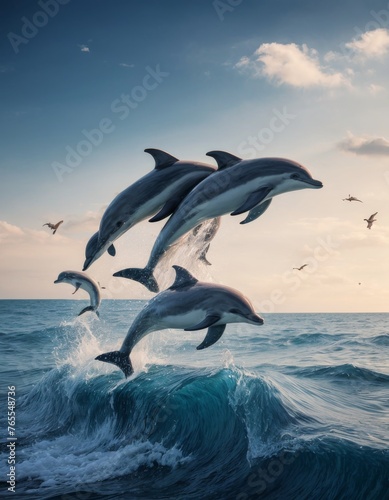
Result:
x=54 y=227
x=352 y=198
x=301 y=267
x=370 y=220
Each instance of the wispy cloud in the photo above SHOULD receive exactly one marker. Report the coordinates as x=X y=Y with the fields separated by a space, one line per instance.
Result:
x=292 y=65
x=6 y=69
x=125 y=65
x=365 y=145
x=89 y=222
x=84 y=48
x=300 y=66
x=371 y=44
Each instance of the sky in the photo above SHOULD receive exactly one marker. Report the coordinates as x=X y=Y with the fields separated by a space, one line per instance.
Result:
x=88 y=85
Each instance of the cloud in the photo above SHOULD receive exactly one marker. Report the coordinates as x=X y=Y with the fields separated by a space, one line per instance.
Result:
x=125 y=65
x=84 y=48
x=375 y=89
x=8 y=230
x=89 y=222
x=371 y=44
x=365 y=145
x=291 y=65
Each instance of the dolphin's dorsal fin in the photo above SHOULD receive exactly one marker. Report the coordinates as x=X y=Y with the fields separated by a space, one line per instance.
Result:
x=224 y=159
x=183 y=278
x=161 y=158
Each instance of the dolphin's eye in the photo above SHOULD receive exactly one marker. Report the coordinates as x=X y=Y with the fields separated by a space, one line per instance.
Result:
x=295 y=177
x=119 y=224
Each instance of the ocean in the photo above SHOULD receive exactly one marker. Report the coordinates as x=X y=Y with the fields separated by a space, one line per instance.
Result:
x=297 y=408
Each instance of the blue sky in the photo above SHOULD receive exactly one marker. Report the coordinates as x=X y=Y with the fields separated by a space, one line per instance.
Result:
x=222 y=79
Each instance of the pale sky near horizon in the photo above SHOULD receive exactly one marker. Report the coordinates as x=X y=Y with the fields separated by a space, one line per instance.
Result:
x=302 y=80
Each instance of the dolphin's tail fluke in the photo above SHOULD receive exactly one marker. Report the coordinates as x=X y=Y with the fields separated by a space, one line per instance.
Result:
x=144 y=276
x=89 y=308
x=119 y=359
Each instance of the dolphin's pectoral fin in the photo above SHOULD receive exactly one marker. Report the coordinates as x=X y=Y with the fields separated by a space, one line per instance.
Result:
x=213 y=335
x=207 y=321
x=169 y=207
x=77 y=288
x=224 y=159
x=112 y=250
x=183 y=278
x=253 y=200
x=119 y=359
x=257 y=211
x=161 y=158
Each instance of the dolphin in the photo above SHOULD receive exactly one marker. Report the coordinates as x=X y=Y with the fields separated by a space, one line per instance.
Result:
x=238 y=186
x=190 y=305
x=156 y=194
x=82 y=280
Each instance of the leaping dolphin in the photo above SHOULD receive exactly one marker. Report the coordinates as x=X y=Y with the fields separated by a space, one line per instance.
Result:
x=190 y=305
x=82 y=280
x=156 y=194
x=237 y=186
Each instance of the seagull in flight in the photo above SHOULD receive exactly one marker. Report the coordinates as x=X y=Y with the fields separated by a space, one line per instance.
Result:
x=301 y=267
x=352 y=198
x=370 y=220
x=54 y=227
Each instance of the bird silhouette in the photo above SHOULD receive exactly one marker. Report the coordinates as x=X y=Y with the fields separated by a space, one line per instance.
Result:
x=301 y=267
x=352 y=198
x=54 y=227
x=370 y=220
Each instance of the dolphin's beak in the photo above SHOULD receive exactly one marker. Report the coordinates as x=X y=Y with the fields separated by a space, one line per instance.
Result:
x=314 y=183
x=87 y=263
x=255 y=318
x=119 y=274
x=57 y=281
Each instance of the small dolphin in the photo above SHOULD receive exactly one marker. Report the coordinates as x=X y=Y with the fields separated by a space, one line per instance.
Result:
x=237 y=186
x=187 y=304
x=82 y=280
x=160 y=191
